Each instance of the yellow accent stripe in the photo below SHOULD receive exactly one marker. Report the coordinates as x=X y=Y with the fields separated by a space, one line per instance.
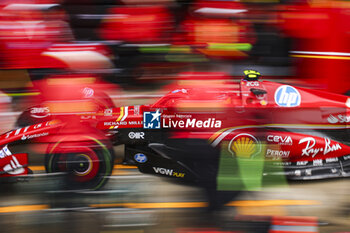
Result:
x=120 y=172
x=216 y=134
x=37 y=168
x=322 y=57
x=71 y=81
x=165 y=205
x=179 y=205
x=22 y=208
x=264 y=203
x=262 y=211
x=124 y=167
x=121 y=114
x=21 y=94
x=219 y=132
x=42 y=168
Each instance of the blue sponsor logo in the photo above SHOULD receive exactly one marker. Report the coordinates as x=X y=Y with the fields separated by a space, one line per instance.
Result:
x=287 y=96
x=140 y=158
x=151 y=120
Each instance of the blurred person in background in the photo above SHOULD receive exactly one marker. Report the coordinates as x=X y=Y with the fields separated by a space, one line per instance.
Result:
x=138 y=25
x=218 y=29
x=143 y=21
x=27 y=30
x=320 y=37
x=36 y=41
x=215 y=36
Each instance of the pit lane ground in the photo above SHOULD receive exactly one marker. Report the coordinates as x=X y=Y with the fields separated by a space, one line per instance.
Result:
x=133 y=202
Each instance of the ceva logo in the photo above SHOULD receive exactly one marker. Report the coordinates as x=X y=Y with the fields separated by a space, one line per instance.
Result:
x=287 y=96
x=151 y=120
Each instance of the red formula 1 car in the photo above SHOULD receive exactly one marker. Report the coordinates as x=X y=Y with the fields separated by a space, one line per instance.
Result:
x=202 y=134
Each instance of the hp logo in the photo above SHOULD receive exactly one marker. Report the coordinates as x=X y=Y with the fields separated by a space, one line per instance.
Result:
x=287 y=96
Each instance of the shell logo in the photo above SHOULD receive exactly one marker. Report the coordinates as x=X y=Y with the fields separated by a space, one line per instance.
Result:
x=244 y=146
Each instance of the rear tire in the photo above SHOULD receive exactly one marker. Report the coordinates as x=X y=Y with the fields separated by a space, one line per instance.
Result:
x=86 y=165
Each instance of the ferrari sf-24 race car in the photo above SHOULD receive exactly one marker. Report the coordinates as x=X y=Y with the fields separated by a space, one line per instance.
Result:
x=194 y=133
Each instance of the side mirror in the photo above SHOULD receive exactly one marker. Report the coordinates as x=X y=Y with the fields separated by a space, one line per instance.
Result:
x=256 y=91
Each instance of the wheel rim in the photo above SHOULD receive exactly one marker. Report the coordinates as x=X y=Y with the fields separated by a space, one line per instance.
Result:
x=82 y=165
x=85 y=166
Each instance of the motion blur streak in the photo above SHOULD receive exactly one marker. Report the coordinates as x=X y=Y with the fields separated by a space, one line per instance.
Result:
x=22 y=208
x=257 y=203
x=42 y=168
x=170 y=205
x=107 y=106
x=322 y=57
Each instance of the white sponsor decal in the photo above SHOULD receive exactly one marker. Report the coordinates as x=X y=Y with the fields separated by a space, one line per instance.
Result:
x=26 y=137
x=311 y=150
x=282 y=140
x=37 y=126
x=163 y=171
x=338 y=119
x=191 y=123
x=332 y=119
x=253 y=84
x=167 y=172
x=183 y=116
x=282 y=163
x=308 y=172
x=108 y=112
x=8 y=134
x=176 y=115
x=301 y=163
x=43 y=111
x=25 y=129
x=4 y=152
x=277 y=154
x=19 y=130
x=88 y=92
x=135 y=122
x=87 y=117
x=136 y=135
x=168 y=116
x=14 y=167
x=317 y=162
x=137 y=110
x=330 y=160
x=112 y=123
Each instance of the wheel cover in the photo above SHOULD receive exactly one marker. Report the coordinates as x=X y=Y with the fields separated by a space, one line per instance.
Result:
x=83 y=166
